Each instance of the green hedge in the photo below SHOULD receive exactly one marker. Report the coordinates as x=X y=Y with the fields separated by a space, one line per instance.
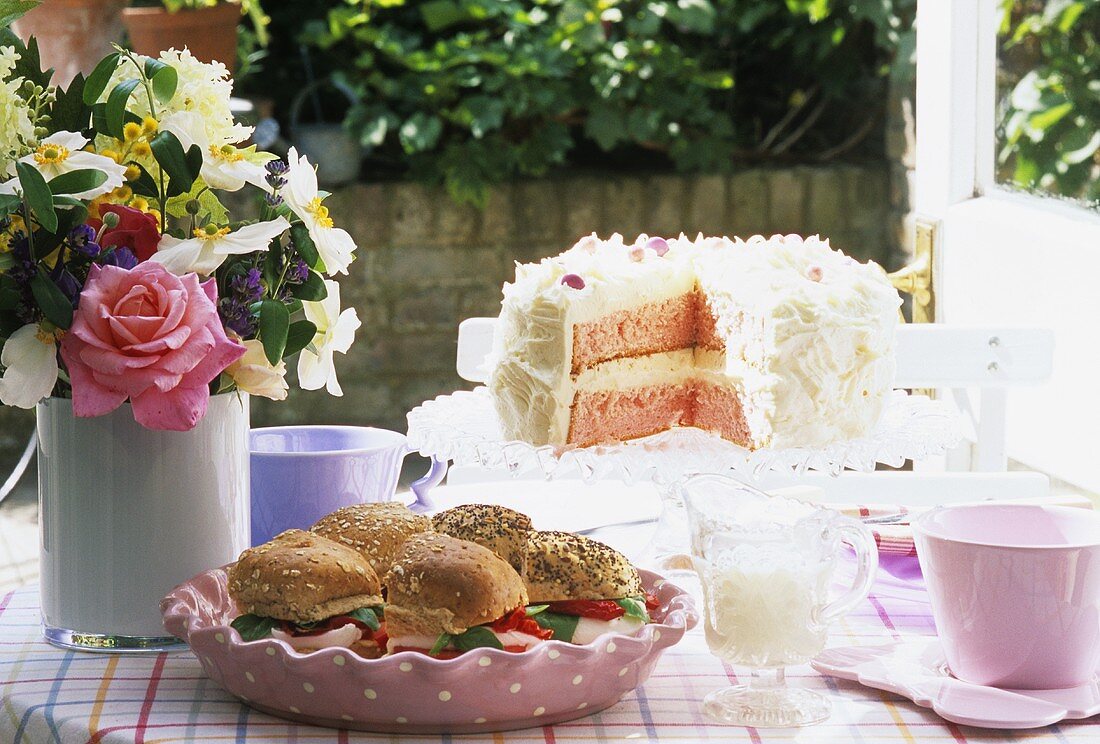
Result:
x=472 y=92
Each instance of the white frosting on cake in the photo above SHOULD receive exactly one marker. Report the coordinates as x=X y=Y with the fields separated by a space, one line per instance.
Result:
x=809 y=333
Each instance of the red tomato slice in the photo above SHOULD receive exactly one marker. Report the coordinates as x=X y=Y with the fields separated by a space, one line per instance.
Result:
x=597 y=609
x=517 y=620
x=651 y=602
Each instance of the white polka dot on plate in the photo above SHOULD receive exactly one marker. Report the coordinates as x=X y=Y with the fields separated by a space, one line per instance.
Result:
x=402 y=719
x=250 y=676
x=539 y=710
x=294 y=710
x=623 y=671
x=270 y=650
x=582 y=706
x=656 y=635
x=405 y=666
x=611 y=647
x=479 y=719
x=484 y=661
x=444 y=695
x=369 y=694
x=307 y=686
x=553 y=653
x=577 y=679
x=515 y=688
x=219 y=637
x=346 y=717
x=339 y=660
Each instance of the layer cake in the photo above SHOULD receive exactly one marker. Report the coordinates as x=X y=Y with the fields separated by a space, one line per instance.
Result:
x=770 y=342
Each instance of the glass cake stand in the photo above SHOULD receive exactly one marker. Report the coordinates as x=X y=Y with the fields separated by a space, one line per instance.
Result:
x=464 y=428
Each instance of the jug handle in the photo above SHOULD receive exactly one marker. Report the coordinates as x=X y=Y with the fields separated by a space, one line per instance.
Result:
x=856 y=534
x=420 y=487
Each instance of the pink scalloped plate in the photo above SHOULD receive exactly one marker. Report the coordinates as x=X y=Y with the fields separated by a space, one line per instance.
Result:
x=481 y=691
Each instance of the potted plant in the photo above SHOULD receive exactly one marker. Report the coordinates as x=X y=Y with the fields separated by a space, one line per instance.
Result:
x=207 y=27
x=72 y=34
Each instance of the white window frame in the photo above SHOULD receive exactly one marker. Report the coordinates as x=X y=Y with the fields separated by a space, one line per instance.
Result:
x=1006 y=258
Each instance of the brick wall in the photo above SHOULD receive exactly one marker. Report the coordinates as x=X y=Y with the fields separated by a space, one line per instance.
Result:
x=424 y=263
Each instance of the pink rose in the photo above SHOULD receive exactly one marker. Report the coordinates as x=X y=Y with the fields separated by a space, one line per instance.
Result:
x=146 y=335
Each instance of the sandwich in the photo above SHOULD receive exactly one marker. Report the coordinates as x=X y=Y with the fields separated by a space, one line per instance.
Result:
x=498 y=528
x=581 y=589
x=447 y=596
x=377 y=531
x=310 y=592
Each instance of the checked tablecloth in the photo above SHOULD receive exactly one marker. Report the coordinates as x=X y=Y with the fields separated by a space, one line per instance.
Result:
x=51 y=695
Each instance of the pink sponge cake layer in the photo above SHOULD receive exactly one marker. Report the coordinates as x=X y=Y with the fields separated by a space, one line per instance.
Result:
x=611 y=415
x=649 y=329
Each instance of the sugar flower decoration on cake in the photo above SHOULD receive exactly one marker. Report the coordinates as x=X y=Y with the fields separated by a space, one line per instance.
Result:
x=335 y=333
x=123 y=275
x=211 y=244
x=62 y=153
x=29 y=360
x=304 y=199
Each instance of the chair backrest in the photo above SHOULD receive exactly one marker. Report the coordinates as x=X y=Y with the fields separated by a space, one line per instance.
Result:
x=975 y=364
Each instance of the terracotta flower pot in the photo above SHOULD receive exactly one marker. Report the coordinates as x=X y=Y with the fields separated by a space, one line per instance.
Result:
x=73 y=35
x=210 y=33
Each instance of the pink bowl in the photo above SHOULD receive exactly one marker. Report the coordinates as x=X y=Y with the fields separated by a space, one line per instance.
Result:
x=481 y=691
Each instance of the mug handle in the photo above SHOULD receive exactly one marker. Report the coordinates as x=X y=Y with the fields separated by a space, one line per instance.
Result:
x=420 y=487
x=856 y=534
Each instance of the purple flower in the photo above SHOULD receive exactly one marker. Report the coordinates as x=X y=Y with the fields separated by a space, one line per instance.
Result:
x=276 y=169
x=123 y=258
x=235 y=307
x=82 y=240
x=66 y=282
x=298 y=272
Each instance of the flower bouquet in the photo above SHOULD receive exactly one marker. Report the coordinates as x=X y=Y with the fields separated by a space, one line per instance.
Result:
x=123 y=277
x=136 y=311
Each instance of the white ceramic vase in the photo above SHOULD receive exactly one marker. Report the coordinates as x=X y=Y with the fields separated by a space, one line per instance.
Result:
x=128 y=513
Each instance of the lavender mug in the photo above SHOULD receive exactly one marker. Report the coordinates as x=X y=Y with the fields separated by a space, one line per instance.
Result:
x=302 y=473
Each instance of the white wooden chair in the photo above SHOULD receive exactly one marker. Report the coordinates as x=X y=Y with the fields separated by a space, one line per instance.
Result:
x=971 y=366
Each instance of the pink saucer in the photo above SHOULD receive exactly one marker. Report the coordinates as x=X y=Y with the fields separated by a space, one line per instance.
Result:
x=481 y=691
x=916 y=669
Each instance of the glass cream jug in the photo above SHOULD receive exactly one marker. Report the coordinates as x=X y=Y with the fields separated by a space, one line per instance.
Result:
x=766 y=564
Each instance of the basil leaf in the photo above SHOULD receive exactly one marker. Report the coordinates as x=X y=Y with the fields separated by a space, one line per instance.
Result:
x=634 y=608
x=440 y=644
x=564 y=626
x=477 y=637
x=366 y=615
x=533 y=610
x=253 y=627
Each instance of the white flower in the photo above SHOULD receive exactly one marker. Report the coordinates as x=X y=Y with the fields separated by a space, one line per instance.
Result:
x=63 y=152
x=205 y=252
x=335 y=332
x=254 y=374
x=224 y=166
x=202 y=87
x=333 y=244
x=29 y=359
x=16 y=129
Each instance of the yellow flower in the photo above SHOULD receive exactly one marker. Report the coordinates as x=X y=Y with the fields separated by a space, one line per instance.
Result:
x=139 y=204
x=112 y=155
x=142 y=149
x=149 y=125
x=131 y=131
x=155 y=213
x=122 y=193
x=133 y=173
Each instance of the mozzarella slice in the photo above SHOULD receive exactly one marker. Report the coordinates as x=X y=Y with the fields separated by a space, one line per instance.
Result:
x=341 y=637
x=589 y=629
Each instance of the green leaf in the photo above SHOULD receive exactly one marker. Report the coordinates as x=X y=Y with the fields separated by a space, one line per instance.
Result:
x=10 y=203
x=163 y=78
x=420 y=132
x=77 y=181
x=307 y=249
x=605 y=125
x=476 y=637
x=440 y=644
x=313 y=289
x=145 y=185
x=253 y=627
x=194 y=161
x=300 y=335
x=533 y=610
x=99 y=77
x=564 y=626
x=439 y=14
x=53 y=302
x=68 y=112
x=367 y=616
x=13 y=10
x=38 y=195
x=208 y=203
x=116 y=106
x=72 y=212
x=274 y=326
x=634 y=607
x=169 y=154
